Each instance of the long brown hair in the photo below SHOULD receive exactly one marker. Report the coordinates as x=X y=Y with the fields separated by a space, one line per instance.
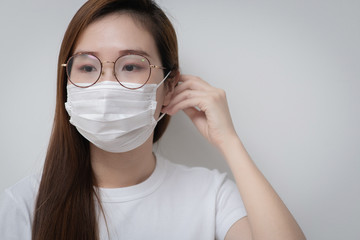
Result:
x=65 y=205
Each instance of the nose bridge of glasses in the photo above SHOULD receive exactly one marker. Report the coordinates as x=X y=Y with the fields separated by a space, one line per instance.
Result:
x=104 y=63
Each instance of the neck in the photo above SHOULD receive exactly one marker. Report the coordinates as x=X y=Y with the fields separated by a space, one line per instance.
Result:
x=116 y=170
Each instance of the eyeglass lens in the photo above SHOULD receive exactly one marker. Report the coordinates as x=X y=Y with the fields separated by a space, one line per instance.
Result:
x=130 y=70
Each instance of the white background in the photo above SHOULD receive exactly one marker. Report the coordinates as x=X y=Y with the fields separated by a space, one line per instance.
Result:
x=291 y=72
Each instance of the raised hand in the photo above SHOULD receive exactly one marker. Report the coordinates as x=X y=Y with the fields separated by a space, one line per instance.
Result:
x=206 y=106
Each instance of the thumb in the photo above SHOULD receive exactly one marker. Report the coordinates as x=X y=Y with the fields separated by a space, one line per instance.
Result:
x=197 y=117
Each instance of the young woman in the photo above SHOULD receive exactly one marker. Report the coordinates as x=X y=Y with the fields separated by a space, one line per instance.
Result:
x=118 y=84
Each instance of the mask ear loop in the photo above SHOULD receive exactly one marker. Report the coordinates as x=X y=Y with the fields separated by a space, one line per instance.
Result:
x=162 y=81
x=163 y=114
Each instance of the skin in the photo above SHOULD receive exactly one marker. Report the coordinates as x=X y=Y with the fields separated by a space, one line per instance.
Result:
x=268 y=217
x=107 y=38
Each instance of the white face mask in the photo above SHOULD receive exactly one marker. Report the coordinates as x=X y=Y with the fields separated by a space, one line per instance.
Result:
x=112 y=117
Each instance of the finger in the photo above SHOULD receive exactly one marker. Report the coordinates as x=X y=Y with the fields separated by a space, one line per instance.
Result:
x=186 y=94
x=193 y=112
x=196 y=102
x=191 y=86
x=197 y=117
x=192 y=82
x=186 y=77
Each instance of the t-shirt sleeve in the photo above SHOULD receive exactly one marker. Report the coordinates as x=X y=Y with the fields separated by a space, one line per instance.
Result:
x=14 y=220
x=229 y=207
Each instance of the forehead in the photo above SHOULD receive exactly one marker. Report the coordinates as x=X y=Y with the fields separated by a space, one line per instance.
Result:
x=116 y=33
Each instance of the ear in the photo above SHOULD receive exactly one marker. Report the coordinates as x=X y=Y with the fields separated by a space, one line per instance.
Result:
x=170 y=88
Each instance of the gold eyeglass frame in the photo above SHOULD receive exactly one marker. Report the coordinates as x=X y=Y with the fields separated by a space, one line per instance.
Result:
x=101 y=70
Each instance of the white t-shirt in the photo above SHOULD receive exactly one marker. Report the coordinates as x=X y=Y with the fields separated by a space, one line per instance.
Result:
x=175 y=202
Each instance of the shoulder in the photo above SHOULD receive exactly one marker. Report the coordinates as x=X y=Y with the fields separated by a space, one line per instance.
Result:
x=195 y=172
x=21 y=196
x=211 y=193
x=17 y=207
x=195 y=177
x=25 y=189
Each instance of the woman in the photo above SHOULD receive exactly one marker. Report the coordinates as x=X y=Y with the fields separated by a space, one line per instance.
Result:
x=118 y=76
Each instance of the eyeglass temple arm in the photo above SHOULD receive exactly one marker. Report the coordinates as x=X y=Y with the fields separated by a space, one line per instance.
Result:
x=158 y=67
x=63 y=65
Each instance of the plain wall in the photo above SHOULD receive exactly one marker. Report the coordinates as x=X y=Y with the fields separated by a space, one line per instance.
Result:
x=291 y=72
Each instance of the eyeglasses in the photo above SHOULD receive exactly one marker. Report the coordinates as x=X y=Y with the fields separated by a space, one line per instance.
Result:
x=84 y=70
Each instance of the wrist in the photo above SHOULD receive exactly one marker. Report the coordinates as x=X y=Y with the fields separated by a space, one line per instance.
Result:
x=236 y=155
x=230 y=143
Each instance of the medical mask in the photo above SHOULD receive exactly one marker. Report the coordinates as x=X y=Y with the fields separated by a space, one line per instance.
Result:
x=113 y=118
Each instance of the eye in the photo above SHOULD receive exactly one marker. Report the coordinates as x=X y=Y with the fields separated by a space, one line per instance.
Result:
x=131 y=64
x=129 y=68
x=87 y=69
x=132 y=68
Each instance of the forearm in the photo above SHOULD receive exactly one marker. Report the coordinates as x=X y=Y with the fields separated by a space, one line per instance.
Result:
x=207 y=107
x=268 y=216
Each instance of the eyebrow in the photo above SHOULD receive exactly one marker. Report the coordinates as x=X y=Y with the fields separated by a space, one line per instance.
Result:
x=122 y=52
